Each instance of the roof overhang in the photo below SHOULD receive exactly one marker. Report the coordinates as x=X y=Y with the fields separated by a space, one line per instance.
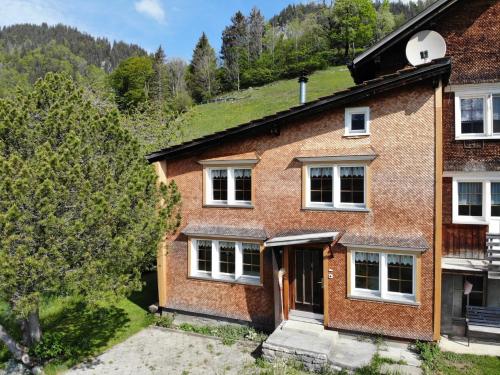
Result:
x=301 y=239
x=464 y=265
x=335 y=158
x=404 y=31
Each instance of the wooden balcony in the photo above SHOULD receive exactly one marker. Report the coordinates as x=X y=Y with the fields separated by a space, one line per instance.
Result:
x=464 y=241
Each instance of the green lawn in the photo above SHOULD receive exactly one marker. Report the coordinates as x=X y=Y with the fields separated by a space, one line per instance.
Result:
x=90 y=331
x=258 y=102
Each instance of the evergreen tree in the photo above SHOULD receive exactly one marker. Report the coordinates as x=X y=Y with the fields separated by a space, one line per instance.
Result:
x=202 y=80
x=79 y=206
x=235 y=50
x=256 y=30
x=159 y=82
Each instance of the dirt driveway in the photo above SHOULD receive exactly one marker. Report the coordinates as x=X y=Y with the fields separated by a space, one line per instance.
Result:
x=160 y=351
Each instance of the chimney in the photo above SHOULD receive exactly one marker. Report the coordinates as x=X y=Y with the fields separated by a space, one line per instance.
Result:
x=302 y=91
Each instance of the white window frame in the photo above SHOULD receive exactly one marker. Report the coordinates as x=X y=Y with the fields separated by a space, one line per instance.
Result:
x=215 y=274
x=336 y=204
x=486 y=218
x=231 y=187
x=348 y=121
x=485 y=92
x=383 y=293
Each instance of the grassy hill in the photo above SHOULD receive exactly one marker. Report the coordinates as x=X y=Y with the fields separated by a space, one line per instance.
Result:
x=258 y=102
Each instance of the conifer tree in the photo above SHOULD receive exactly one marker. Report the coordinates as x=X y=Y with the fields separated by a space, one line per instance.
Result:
x=79 y=205
x=256 y=28
x=202 y=79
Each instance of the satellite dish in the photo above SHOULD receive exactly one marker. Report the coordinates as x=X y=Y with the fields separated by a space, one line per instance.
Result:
x=424 y=47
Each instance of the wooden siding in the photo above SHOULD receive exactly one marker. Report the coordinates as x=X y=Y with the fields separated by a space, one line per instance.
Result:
x=464 y=241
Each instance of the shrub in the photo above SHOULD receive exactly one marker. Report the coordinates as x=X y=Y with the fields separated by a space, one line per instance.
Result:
x=165 y=321
x=51 y=346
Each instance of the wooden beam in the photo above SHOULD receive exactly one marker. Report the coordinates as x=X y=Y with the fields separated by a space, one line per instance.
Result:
x=438 y=206
x=326 y=258
x=286 y=286
x=161 y=257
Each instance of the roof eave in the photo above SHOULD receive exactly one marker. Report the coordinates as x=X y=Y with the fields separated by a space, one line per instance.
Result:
x=358 y=92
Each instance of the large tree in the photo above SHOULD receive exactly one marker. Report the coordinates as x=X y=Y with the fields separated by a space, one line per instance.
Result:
x=354 y=23
x=385 y=20
x=256 y=28
x=80 y=208
x=235 y=50
x=131 y=81
x=202 y=79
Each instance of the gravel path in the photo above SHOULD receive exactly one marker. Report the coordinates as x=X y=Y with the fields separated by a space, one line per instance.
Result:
x=160 y=351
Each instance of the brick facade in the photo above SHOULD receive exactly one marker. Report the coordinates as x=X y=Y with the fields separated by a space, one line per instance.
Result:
x=401 y=201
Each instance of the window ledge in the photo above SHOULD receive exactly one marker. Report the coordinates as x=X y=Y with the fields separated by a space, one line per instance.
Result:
x=219 y=205
x=471 y=220
x=243 y=280
x=383 y=300
x=356 y=135
x=477 y=137
x=340 y=209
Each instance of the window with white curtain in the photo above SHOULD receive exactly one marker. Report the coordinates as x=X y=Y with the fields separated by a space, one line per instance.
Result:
x=382 y=275
x=336 y=187
x=470 y=199
x=237 y=261
x=228 y=186
x=476 y=200
x=477 y=113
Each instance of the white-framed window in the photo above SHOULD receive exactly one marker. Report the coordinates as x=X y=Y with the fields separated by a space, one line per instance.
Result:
x=336 y=186
x=477 y=114
x=357 y=121
x=230 y=186
x=476 y=200
x=383 y=275
x=225 y=260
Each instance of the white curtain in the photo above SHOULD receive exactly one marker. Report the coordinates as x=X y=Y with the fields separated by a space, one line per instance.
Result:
x=204 y=244
x=470 y=193
x=250 y=246
x=321 y=172
x=404 y=260
x=352 y=172
x=472 y=109
x=224 y=245
x=240 y=173
x=219 y=173
x=367 y=257
x=495 y=193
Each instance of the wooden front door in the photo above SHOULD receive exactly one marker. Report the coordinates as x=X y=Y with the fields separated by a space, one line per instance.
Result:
x=309 y=280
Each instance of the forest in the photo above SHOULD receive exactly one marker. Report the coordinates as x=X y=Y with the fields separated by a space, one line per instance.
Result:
x=156 y=88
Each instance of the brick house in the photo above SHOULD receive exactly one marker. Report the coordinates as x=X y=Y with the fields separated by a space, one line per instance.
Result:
x=332 y=211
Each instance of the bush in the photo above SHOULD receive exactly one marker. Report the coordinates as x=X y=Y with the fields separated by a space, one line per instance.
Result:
x=51 y=346
x=430 y=355
x=165 y=321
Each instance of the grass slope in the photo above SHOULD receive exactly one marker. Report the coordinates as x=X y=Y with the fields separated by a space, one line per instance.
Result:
x=254 y=103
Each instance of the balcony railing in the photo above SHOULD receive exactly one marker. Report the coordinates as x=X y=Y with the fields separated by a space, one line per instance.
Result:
x=493 y=253
x=464 y=241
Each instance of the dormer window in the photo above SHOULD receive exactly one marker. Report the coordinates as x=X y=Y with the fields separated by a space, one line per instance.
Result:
x=357 y=121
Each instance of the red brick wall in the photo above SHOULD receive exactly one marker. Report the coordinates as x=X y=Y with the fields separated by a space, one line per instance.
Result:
x=401 y=201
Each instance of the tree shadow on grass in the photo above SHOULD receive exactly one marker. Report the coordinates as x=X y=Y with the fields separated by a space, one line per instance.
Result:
x=149 y=293
x=85 y=331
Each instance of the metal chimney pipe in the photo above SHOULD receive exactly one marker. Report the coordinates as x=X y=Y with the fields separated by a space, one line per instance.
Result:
x=302 y=90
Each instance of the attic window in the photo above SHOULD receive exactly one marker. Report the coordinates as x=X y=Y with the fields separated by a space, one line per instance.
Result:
x=357 y=121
